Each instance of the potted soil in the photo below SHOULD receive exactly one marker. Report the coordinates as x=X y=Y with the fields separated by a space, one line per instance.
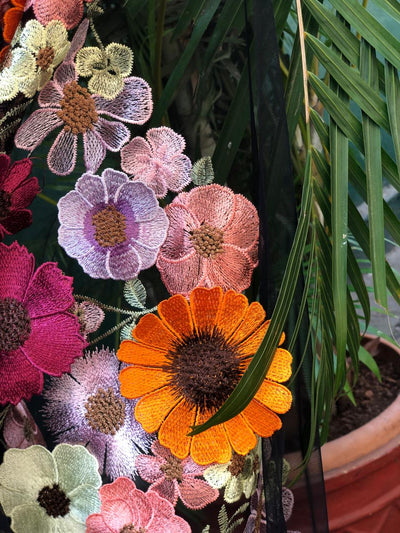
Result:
x=362 y=467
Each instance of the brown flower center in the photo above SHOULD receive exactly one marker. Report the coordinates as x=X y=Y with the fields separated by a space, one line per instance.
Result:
x=54 y=501
x=172 y=469
x=204 y=369
x=5 y=203
x=105 y=412
x=45 y=57
x=130 y=528
x=78 y=110
x=15 y=324
x=237 y=464
x=110 y=226
x=207 y=240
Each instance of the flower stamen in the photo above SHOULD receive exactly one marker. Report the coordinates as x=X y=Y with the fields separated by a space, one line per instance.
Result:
x=78 y=110
x=110 y=226
x=105 y=412
x=207 y=240
x=54 y=501
x=45 y=57
x=15 y=324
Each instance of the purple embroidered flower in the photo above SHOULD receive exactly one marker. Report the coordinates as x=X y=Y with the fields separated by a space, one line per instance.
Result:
x=64 y=103
x=86 y=407
x=172 y=478
x=159 y=163
x=114 y=227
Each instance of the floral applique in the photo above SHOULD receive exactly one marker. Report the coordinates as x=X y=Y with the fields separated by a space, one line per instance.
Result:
x=20 y=430
x=69 y=12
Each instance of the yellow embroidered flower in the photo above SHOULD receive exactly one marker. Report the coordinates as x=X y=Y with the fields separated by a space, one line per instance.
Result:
x=106 y=68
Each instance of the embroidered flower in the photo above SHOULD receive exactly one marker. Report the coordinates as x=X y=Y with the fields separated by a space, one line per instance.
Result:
x=126 y=509
x=64 y=103
x=106 y=68
x=20 y=429
x=69 y=12
x=113 y=227
x=239 y=476
x=43 y=491
x=90 y=317
x=17 y=192
x=185 y=364
x=37 y=334
x=173 y=478
x=11 y=19
x=159 y=161
x=86 y=407
x=212 y=241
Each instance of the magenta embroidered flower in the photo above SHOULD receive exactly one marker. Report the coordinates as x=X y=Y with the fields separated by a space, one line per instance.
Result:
x=125 y=509
x=17 y=191
x=87 y=407
x=159 y=163
x=37 y=333
x=212 y=241
x=20 y=430
x=173 y=478
x=64 y=103
x=114 y=227
x=70 y=12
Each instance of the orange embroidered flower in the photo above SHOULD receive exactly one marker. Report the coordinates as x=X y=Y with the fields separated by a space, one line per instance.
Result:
x=11 y=19
x=186 y=363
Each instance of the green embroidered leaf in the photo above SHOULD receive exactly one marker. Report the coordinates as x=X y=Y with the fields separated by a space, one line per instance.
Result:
x=202 y=172
x=126 y=331
x=135 y=293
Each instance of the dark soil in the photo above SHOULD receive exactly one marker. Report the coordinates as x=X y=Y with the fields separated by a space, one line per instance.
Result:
x=372 y=398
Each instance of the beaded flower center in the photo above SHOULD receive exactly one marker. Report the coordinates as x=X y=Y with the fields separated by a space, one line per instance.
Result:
x=204 y=369
x=15 y=324
x=207 y=240
x=237 y=464
x=130 y=528
x=54 y=501
x=172 y=469
x=45 y=57
x=5 y=204
x=110 y=226
x=78 y=109
x=105 y=412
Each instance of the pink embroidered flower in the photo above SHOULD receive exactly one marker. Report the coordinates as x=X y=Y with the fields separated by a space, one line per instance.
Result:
x=64 y=103
x=159 y=163
x=17 y=191
x=20 y=429
x=172 y=478
x=70 y=12
x=114 y=227
x=90 y=316
x=126 y=509
x=212 y=241
x=37 y=333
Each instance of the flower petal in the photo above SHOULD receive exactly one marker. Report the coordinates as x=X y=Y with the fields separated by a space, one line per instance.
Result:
x=51 y=95
x=152 y=233
x=196 y=493
x=74 y=242
x=231 y=269
x=280 y=369
x=181 y=222
x=135 y=155
x=93 y=263
x=38 y=125
x=147 y=255
x=123 y=263
x=113 y=134
x=137 y=353
x=62 y=156
x=84 y=499
x=116 y=514
x=120 y=58
x=8 y=85
x=254 y=317
x=106 y=84
x=113 y=179
x=16 y=221
x=217 y=475
x=175 y=313
x=262 y=420
x=204 y=305
x=33 y=36
x=151 y=331
x=70 y=12
x=231 y=312
x=96 y=524
x=137 y=381
x=76 y=467
x=274 y=396
x=183 y=275
x=212 y=204
x=25 y=193
x=65 y=73
x=152 y=409
x=86 y=58
x=92 y=188
x=49 y=292
x=174 y=430
x=94 y=150
x=243 y=228
x=30 y=517
x=54 y=343
x=211 y=446
x=148 y=467
x=250 y=345
x=57 y=36
x=72 y=210
x=19 y=379
x=140 y=199
x=166 y=139
x=240 y=435
x=16 y=269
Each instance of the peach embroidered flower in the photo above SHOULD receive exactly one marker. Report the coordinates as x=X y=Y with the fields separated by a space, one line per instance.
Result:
x=185 y=364
x=70 y=12
x=212 y=241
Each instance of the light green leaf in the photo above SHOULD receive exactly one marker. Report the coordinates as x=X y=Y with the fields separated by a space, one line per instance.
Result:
x=202 y=172
x=135 y=293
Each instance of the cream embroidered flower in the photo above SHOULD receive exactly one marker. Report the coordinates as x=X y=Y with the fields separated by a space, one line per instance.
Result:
x=106 y=68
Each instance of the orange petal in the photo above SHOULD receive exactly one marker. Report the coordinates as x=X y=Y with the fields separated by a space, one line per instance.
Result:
x=151 y=331
x=240 y=435
x=11 y=20
x=204 y=304
x=137 y=381
x=174 y=430
x=153 y=408
x=211 y=446
x=280 y=369
x=231 y=312
x=275 y=396
x=175 y=312
x=253 y=318
x=251 y=344
x=137 y=353
x=261 y=420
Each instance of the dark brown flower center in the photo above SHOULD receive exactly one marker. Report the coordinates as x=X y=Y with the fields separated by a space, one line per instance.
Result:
x=5 y=203
x=207 y=240
x=172 y=468
x=54 y=501
x=15 y=324
x=45 y=57
x=78 y=110
x=204 y=369
x=237 y=464
x=130 y=528
x=105 y=412
x=110 y=226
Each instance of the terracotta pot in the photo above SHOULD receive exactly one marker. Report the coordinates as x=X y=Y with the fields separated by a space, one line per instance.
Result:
x=362 y=469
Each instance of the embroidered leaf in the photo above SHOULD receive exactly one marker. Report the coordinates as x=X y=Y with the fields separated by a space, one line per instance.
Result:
x=202 y=172
x=206 y=529
x=223 y=521
x=126 y=331
x=234 y=525
x=135 y=293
